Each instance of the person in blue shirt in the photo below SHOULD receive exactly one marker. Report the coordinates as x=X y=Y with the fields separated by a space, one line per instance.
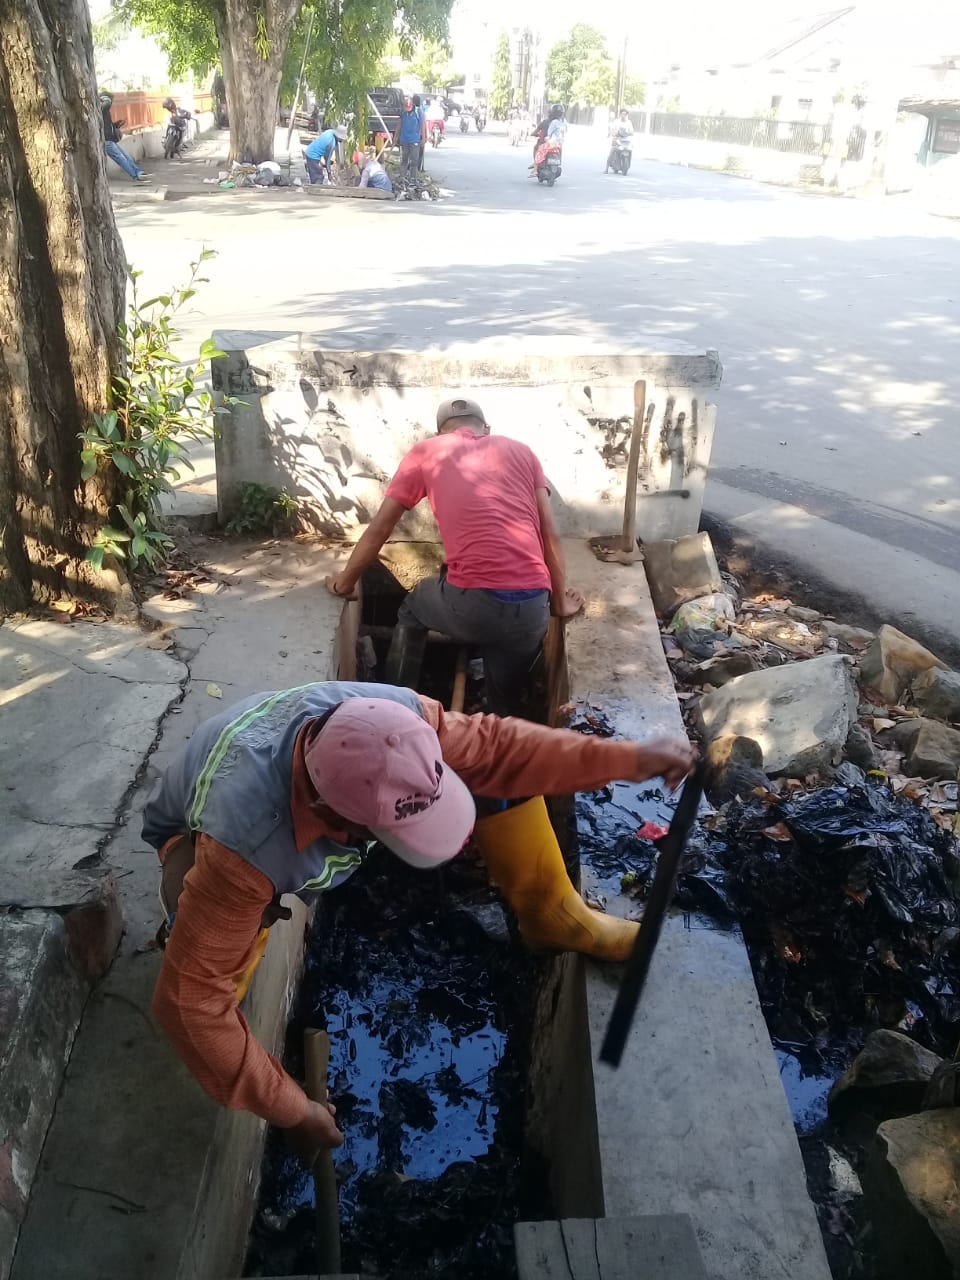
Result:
x=373 y=174
x=409 y=135
x=321 y=152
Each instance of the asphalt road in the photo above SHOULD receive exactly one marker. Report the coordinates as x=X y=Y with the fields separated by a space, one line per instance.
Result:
x=838 y=440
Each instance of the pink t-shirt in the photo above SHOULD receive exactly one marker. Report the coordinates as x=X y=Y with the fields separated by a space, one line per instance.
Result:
x=483 y=493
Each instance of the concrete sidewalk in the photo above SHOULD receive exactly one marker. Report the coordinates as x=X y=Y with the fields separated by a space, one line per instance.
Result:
x=131 y=1127
x=198 y=172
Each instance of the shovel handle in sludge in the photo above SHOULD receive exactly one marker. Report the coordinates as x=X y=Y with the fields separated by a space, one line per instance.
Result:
x=661 y=895
x=316 y=1052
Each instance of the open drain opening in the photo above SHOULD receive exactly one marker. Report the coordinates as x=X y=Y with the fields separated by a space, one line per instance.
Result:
x=428 y=997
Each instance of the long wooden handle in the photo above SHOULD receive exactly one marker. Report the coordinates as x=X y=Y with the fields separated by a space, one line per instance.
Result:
x=633 y=467
x=316 y=1052
x=459 y=694
x=658 y=903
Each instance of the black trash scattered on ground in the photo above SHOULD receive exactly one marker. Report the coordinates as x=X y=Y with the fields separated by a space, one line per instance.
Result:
x=426 y=999
x=846 y=896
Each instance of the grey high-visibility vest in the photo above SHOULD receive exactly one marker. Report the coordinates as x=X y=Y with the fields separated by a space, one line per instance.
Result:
x=232 y=782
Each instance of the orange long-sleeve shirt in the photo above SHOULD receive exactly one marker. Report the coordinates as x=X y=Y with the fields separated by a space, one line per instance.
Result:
x=224 y=897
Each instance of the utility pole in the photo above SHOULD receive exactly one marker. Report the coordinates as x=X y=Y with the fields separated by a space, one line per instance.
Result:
x=622 y=75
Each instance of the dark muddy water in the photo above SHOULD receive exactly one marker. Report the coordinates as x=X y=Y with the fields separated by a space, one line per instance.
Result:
x=426 y=999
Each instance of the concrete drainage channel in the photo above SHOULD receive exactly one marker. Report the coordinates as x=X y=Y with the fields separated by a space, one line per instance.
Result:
x=684 y=1162
x=468 y=1070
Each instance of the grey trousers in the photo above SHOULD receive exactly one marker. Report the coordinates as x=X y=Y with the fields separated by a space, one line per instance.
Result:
x=409 y=159
x=508 y=635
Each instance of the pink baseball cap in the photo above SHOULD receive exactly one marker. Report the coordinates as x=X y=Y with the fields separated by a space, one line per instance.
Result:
x=378 y=764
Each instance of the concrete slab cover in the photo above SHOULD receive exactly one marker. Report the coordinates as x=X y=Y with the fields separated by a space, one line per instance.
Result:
x=695 y=1121
x=41 y=998
x=331 y=427
x=652 y=1248
x=81 y=704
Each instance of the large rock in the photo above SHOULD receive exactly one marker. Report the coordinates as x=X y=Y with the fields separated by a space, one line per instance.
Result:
x=891 y=1072
x=859 y=749
x=854 y=637
x=932 y=749
x=937 y=693
x=913 y=1193
x=893 y=662
x=799 y=714
x=680 y=570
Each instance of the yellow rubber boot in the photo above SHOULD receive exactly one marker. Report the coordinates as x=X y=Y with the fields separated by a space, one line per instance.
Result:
x=259 y=947
x=525 y=863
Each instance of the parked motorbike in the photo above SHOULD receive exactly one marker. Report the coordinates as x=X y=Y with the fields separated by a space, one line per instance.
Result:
x=621 y=153
x=176 y=131
x=548 y=161
x=436 y=132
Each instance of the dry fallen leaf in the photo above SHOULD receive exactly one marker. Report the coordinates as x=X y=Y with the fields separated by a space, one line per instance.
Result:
x=65 y=606
x=778 y=831
x=214 y=690
x=881 y=723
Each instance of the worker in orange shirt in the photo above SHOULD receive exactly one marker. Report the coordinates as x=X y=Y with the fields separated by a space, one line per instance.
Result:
x=285 y=792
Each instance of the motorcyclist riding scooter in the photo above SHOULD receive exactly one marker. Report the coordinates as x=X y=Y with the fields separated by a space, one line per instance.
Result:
x=621 y=145
x=548 y=146
x=436 y=122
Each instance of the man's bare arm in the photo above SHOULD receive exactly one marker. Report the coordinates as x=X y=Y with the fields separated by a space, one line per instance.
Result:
x=564 y=601
x=365 y=553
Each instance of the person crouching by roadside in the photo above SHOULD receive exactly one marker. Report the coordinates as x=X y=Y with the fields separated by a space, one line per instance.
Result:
x=321 y=155
x=372 y=172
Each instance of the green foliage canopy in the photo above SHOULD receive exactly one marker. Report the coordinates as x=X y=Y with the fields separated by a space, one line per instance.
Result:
x=567 y=58
x=501 y=88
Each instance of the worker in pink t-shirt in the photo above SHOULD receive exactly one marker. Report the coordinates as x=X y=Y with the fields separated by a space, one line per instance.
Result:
x=504 y=571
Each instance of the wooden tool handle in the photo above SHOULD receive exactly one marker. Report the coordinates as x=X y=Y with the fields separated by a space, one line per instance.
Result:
x=316 y=1052
x=633 y=467
x=459 y=694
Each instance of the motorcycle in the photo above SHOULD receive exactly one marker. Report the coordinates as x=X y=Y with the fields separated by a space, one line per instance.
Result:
x=464 y=122
x=548 y=161
x=436 y=132
x=176 y=132
x=621 y=153
x=479 y=119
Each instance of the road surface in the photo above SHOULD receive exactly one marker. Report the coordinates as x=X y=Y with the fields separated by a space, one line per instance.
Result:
x=837 y=322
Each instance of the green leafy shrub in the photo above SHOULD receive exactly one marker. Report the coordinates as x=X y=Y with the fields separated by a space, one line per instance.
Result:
x=263 y=509
x=159 y=412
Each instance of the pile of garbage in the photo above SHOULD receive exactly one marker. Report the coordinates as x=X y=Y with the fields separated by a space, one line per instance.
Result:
x=423 y=187
x=833 y=755
x=807 y=690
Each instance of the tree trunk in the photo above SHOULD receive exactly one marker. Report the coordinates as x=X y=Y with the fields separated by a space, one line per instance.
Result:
x=256 y=78
x=226 y=67
x=62 y=291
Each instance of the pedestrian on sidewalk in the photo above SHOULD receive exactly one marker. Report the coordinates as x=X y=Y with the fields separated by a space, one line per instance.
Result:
x=286 y=793
x=504 y=574
x=111 y=142
x=321 y=155
x=411 y=132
